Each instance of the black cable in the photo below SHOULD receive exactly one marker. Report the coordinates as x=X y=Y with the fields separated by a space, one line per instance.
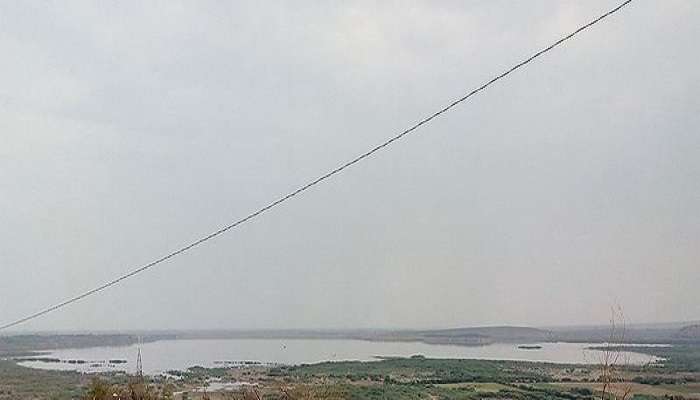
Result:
x=315 y=181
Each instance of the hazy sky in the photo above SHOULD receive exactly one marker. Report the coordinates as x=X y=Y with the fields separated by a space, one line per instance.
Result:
x=129 y=129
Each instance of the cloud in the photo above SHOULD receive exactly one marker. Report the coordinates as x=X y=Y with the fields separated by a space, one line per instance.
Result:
x=130 y=129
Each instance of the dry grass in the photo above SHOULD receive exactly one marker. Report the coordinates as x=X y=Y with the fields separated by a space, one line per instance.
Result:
x=688 y=391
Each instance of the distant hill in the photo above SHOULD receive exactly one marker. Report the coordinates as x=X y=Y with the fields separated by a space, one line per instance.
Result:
x=469 y=336
x=690 y=332
x=669 y=333
x=459 y=336
x=19 y=344
x=495 y=333
x=676 y=333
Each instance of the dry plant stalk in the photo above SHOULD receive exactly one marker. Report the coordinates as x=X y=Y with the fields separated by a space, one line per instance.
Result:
x=613 y=360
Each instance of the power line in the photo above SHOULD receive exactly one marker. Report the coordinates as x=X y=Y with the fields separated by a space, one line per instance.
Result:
x=315 y=181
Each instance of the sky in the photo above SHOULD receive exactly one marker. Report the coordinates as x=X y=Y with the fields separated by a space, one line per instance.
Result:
x=128 y=129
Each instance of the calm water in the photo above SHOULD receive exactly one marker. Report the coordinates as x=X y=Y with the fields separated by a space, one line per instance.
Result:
x=166 y=355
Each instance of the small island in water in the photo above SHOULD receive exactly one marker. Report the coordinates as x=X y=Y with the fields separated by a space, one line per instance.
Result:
x=529 y=347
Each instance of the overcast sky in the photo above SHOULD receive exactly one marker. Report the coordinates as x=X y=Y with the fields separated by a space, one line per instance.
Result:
x=128 y=129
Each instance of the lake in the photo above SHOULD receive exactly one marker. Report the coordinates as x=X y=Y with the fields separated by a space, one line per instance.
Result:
x=167 y=355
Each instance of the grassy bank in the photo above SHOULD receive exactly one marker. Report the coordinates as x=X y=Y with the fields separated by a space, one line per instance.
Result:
x=18 y=382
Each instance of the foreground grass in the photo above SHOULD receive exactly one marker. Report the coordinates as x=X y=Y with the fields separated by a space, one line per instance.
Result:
x=18 y=382
x=650 y=391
